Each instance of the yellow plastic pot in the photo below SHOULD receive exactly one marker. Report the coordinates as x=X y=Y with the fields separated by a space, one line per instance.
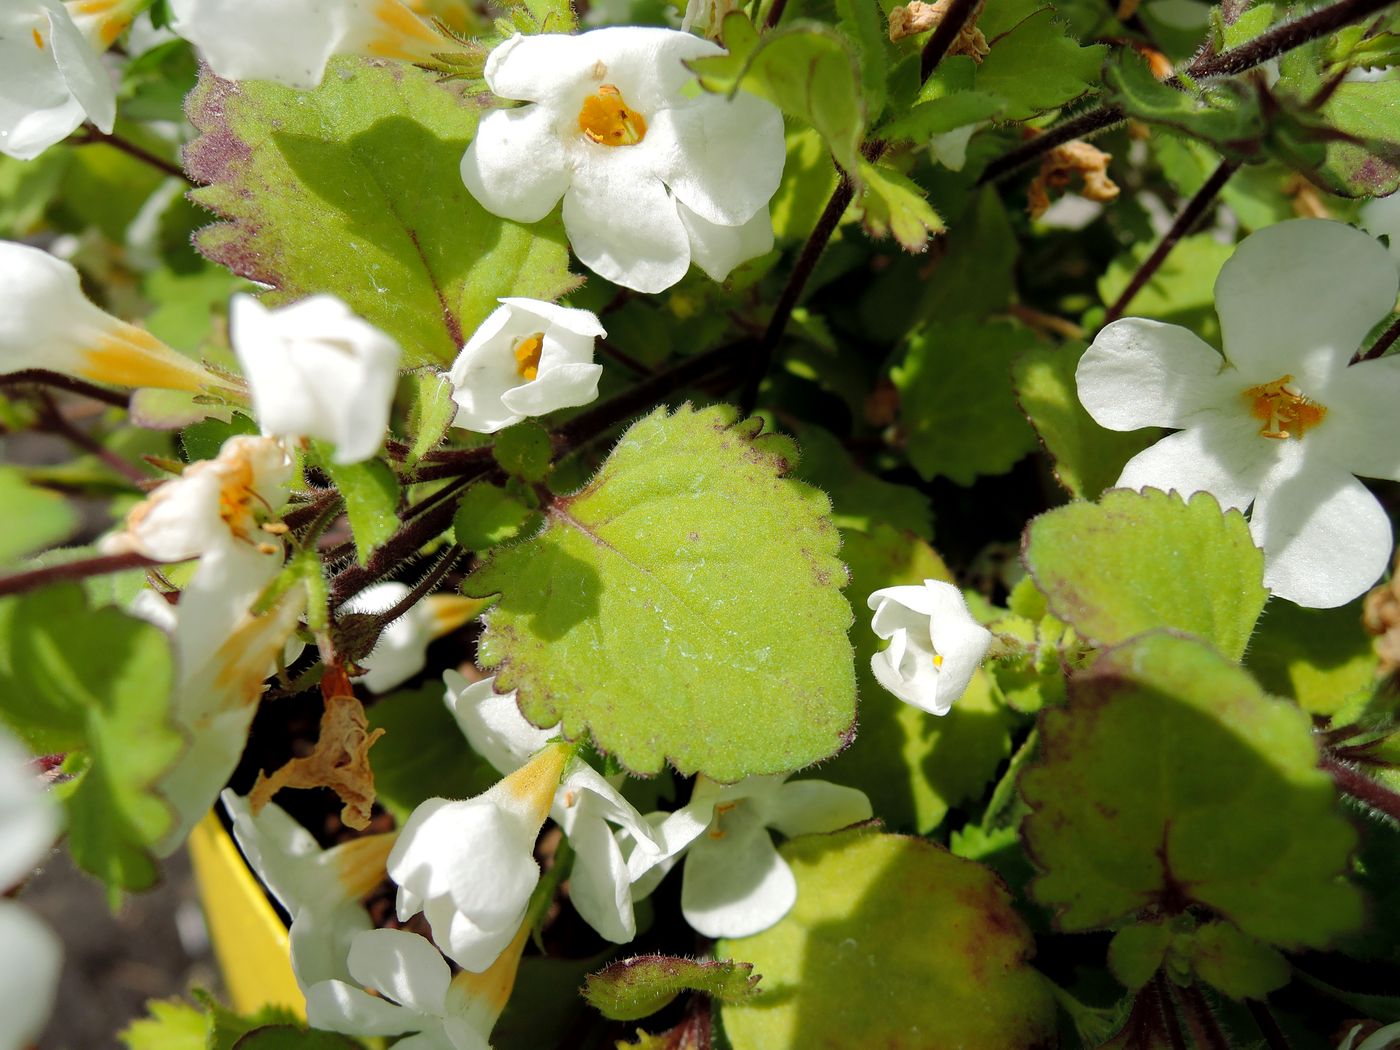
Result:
x=249 y=939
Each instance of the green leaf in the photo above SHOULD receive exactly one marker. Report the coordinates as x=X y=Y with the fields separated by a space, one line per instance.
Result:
x=95 y=683
x=862 y=22
x=430 y=413
x=1222 y=113
x=1171 y=781
x=942 y=115
x=1087 y=458
x=488 y=515
x=1138 y=561
x=1137 y=952
x=371 y=494
x=295 y=1037
x=894 y=204
x=684 y=606
x=34 y=518
x=353 y=189
x=974 y=275
x=634 y=988
x=172 y=1025
x=226 y=1027
x=524 y=451
x=804 y=68
x=422 y=754
x=203 y=440
x=893 y=942
x=911 y=764
x=1320 y=657
x=859 y=500
x=957 y=407
x=1370 y=167
x=1234 y=963
x=1037 y=66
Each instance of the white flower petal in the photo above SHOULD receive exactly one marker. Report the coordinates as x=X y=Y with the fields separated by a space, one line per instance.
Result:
x=320 y=940
x=473 y=947
x=316 y=370
x=30 y=963
x=718 y=249
x=736 y=885
x=564 y=386
x=264 y=39
x=1362 y=428
x=935 y=644
x=335 y=1006
x=806 y=807
x=1326 y=539
x=52 y=81
x=82 y=68
x=402 y=649
x=1299 y=297
x=403 y=966
x=623 y=225
x=599 y=885
x=707 y=140
x=281 y=851
x=1140 y=373
x=30 y=817
x=515 y=166
x=492 y=722
x=1225 y=457
x=674 y=832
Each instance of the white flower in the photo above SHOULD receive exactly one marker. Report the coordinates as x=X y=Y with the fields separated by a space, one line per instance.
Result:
x=47 y=322
x=322 y=890
x=402 y=648
x=102 y=21
x=653 y=176
x=414 y=991
x=585 y=806
x=1386 y=1038
x=1381 y=215
x=469 y=865
x=290 y=41
x=316 y=370
x=30 y=955
x=215 y=504
x=735 y=882
x=528 y=358
x=935 y=644
x=51 y=79
x=1280 y=421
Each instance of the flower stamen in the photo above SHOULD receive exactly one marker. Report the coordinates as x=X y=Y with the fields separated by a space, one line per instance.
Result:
x=38 y=39
x=605 y=118
x=527 y=356
x=1284 y=410
x=937 y=660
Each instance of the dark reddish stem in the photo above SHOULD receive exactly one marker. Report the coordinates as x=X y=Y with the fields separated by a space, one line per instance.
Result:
x=1383 y=342
x=1190 y=215
x=1082 y=126
x=145 y=156
x=44 y=377
x=445 y=564
x=19 y=582
x=959 y=13
x=1359 y=786
x=1162 y=988
x=1264 y=1018
x=1200 y=1018
x=55 y=422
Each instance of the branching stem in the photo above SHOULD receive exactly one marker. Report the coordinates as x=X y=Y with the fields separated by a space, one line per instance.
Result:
x=1190 y=215
x=102 y=565
x=445 y=564
x=1200 y=1018
x=95 y=134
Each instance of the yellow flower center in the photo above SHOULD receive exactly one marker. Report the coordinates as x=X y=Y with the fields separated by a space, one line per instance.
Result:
x=38 y=39
x=937 y=660
x=1283 y=409
x=527 y=356
x=608 y=120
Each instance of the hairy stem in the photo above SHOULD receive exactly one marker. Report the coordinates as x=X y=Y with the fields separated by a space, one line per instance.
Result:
x=1162 y=992
x=44 y=377
x=102 y=565
x=1271 y=44
x=1264 y=1018
x=1200 y=1018
x=1190 y=215
x=445 y=564
x=145 y=156
x=1357 y=785
x=1383 y=343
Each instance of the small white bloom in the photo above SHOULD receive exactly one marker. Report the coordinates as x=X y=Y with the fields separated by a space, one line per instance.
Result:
x=316 y=370
x=653 y=176
x=215 y=504
x=292 y=42
x=1382 y=216
x=1281 y=420
x=47 y=322
x=102 y=21
x=51 y=79
x=32 y=956
x=935 y=644
x=469 y=865
x=528 y=358
x=585 y=806
x=1386 y=1038
x=402 y=649
x=735 y=882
